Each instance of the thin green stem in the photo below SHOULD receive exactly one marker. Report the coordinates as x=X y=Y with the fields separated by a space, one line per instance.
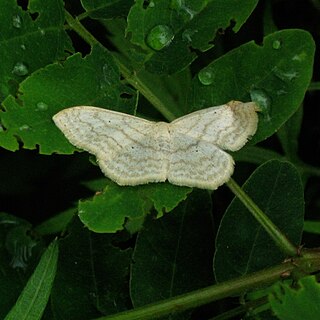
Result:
x=142 y=87
x=275 y=233
x=80 y=29
x=128 y=74
x=206 y=295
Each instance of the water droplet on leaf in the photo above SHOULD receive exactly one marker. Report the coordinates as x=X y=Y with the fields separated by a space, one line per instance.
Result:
x=23 y=47
x=20 y=69
x=24 y=127
x=41 y=106
x=159 y=37
x=16 y=21
x=42 y=32
x=263 y=100
x=206 y=77
x=276 y=44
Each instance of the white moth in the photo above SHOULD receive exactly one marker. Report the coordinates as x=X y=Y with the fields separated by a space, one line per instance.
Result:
x=187 y=152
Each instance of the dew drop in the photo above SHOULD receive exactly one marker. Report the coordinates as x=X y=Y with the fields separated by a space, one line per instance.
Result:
x=159 y=37
x=108 y=75
x=16 y=21
x=263 y=100
x=23 y=47
x=20 y=69
x=42 y=32
x=24 y=127
x=206 y=77
x=41 y=106
x=151 y=4
x=285 y=75
x=276 y=44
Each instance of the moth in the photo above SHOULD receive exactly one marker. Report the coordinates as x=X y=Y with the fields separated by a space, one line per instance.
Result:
x=189 y=151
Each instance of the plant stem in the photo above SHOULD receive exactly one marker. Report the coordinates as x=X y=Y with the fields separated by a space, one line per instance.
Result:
x=206 y=295
x=275 y=233
x=80 y=29
x=128 y=74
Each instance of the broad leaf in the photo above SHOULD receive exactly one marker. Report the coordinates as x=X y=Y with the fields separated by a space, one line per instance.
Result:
x=167 y=30
x=93 y=80
x=106 y=9
x=276 y=75
x=88 y=283
x=289 y=134
x=29 y=40
x=173 y=255
x=242 y=245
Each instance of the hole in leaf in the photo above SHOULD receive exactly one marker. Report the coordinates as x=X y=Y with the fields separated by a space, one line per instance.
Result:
x=145 y=4
x=34 y=15
x=23 y=4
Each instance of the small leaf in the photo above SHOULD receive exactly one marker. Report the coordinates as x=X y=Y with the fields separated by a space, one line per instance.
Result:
x=108 y=210
x=34 y=297
x=242 y=245
x=171 y=28
x=302 y=302
x=276 y=79
x=173 y=255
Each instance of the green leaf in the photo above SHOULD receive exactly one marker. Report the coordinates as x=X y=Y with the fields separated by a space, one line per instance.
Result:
x=312 y=226
x=256 y=155
x=34 y=297
x=276 y=77
x=302 y=302
x=242 y=246
x=56 y=224
x=167 y=30
x=92 y=275
x=108 y=210
x=11 y=279
x=93 y=80
x=173 y=255
x=169 y=89
x=29 y=40
x=288 y=135
x=106 y=9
